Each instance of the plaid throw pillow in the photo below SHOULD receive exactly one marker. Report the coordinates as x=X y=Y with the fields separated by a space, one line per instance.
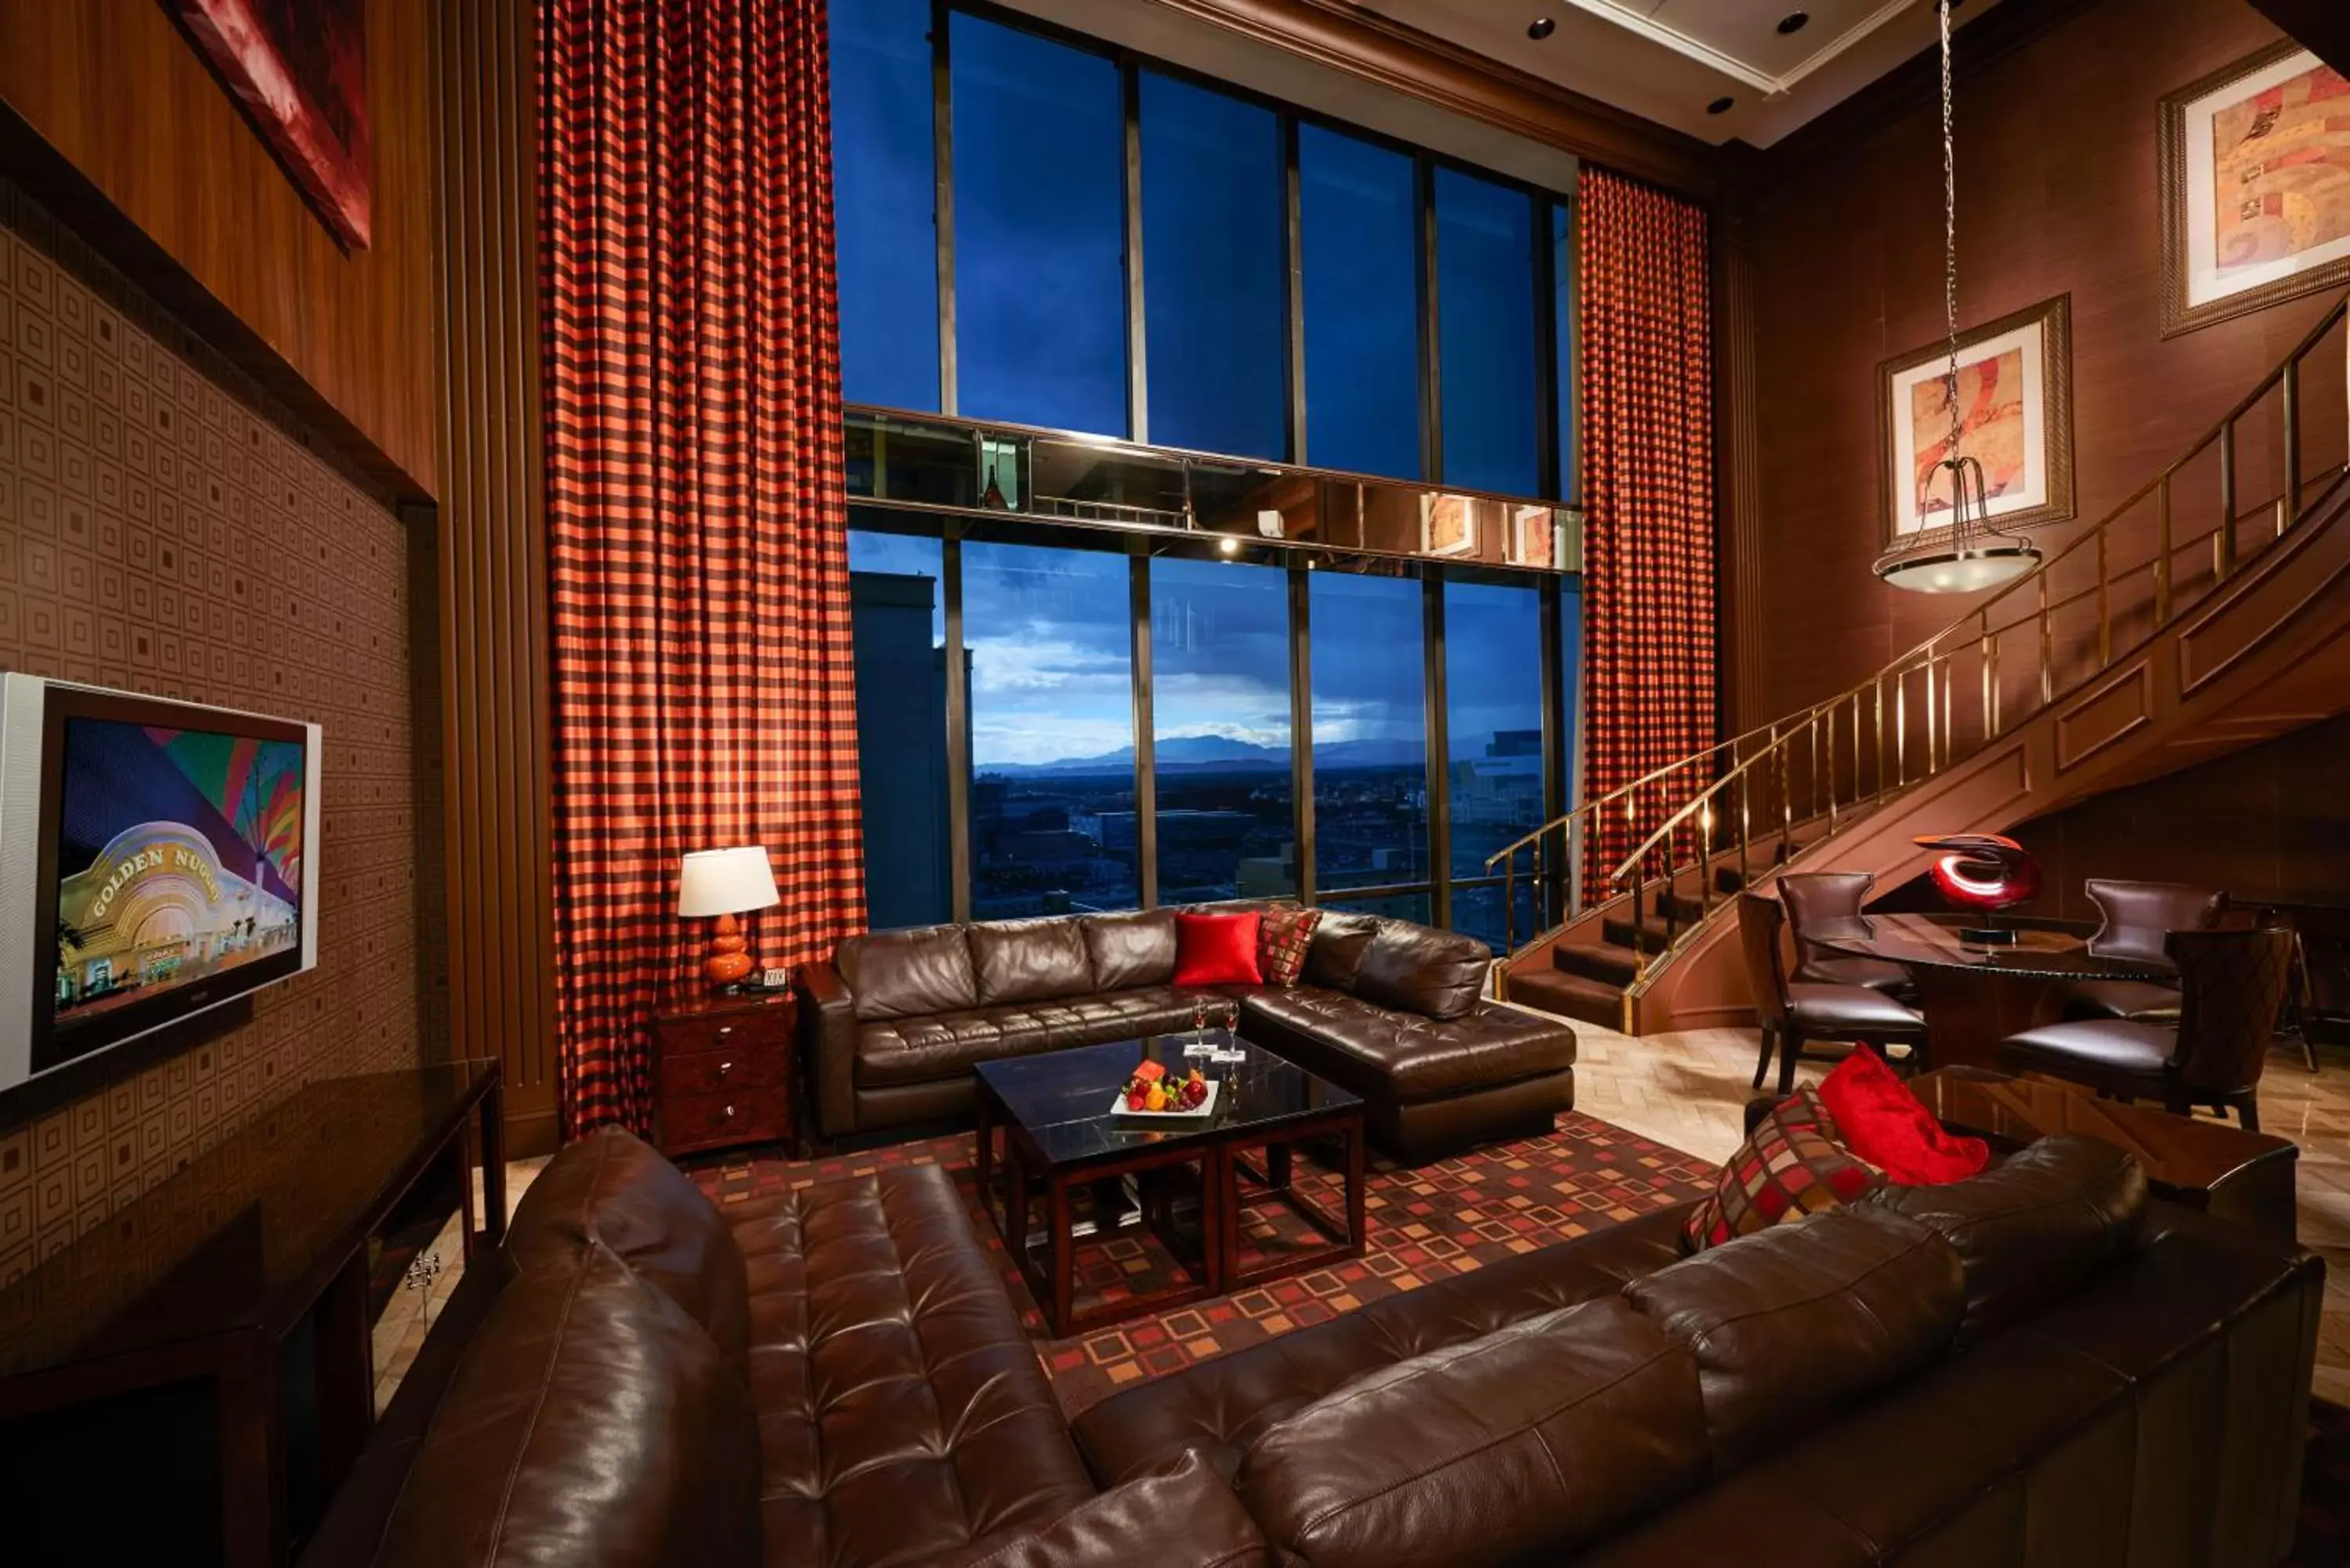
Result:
x=1792 y=1166
x=1282 y=941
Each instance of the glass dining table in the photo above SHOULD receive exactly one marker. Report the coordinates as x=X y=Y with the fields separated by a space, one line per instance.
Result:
x=1974 y=996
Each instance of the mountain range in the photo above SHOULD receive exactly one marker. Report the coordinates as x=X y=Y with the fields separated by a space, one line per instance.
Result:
x=1219 y=753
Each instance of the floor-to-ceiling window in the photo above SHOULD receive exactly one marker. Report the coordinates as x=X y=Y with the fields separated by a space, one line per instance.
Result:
x=897 y=599
x=1039 y=229
x=1220 y=711
x=1120 y=249
x=885 y=183
x=1564 y=327
x=1496 y=780
x=1058 y=817
x=1049 y=633
x=1213 y=271
x=1493 y=410
x=1360 y=233
x=1369 y=704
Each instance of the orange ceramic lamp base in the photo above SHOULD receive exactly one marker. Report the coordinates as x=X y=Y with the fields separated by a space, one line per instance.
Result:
x=729 y=961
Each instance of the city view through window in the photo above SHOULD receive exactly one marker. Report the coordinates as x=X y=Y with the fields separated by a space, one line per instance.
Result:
x=1052 y=800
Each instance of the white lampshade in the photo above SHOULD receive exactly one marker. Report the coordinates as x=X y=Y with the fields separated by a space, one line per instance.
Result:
x=726 y=881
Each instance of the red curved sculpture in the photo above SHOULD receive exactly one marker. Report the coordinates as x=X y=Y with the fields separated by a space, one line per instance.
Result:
x=1982 y=871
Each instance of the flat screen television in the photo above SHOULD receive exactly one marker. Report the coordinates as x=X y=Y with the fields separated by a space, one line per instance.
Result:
x=157 y=858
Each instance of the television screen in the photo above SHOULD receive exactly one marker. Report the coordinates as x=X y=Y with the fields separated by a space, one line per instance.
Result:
x=173 y=869
x=179 y=858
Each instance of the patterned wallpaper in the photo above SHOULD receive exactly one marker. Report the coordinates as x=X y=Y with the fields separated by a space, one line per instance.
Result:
x=164 y=531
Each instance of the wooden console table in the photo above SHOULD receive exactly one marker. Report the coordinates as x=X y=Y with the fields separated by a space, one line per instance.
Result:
x=188 y=1382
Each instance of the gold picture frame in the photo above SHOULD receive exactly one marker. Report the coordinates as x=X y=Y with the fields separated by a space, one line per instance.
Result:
x=2243 y=229
x=2017 y=373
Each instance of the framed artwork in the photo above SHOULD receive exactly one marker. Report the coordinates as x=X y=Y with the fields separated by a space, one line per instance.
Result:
x=2015 y=395
x=2255 y=187
x=1448 y=526
x=299 y=69
x=1534 y=536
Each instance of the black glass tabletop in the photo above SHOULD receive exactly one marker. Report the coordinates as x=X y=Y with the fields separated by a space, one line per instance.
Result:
x=2045 y=950
x=1063 y=1099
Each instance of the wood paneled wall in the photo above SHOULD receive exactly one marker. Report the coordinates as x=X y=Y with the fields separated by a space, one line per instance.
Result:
x=493 y=565
x=2056 y=157
x=2271 y=824
x=127 y=110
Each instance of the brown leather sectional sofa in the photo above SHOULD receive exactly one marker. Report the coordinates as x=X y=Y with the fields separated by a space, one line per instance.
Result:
x=1393 y=1011
x=2033 y=1368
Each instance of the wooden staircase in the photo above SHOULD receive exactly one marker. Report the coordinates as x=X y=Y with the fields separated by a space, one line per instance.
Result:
x=1593 y=968
x=2137 y=649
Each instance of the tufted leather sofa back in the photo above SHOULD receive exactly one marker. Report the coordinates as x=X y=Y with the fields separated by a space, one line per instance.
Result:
x=611 y=1188
x=583 y=1373
x=910 y=974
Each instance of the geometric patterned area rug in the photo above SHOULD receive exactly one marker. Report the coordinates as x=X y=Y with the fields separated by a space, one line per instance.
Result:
x=1422 y=1223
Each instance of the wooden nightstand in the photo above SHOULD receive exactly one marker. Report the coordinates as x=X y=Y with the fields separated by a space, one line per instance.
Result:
x=727 y=1072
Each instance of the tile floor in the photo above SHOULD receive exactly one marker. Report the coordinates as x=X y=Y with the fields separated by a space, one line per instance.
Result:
x=1690 y=1090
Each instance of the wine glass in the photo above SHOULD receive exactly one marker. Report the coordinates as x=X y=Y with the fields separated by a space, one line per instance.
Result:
x=1199 y=1045
x=1230 y=1021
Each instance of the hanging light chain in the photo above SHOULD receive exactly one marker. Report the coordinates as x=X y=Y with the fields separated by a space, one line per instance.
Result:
x=1950 y=243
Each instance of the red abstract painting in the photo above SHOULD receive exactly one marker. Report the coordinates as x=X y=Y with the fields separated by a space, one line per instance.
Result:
x=300 y=67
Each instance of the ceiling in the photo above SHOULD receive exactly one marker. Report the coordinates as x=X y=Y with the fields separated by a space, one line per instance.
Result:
x=1668 y=60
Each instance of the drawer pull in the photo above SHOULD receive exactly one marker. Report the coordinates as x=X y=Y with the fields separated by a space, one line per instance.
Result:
x=726 y=1030
x=729 y=1113
x=725 y=1068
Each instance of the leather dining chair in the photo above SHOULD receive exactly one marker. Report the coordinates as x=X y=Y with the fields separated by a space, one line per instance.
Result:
x=2137 y=919
x=2232 y=988
x=1823 y=906
x=1792 y=1013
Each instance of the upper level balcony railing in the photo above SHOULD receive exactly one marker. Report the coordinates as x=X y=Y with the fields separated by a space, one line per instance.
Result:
x=2015 y=653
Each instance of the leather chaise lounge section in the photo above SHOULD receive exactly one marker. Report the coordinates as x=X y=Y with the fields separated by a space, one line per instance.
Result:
x=1393 y=1011
x=2035 y=1367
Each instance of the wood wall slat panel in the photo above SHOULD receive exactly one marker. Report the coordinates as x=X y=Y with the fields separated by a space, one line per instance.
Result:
x=494 y=568
x=158 y=158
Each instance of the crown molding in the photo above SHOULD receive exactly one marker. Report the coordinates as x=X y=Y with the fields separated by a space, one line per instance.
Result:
x=1407 y=60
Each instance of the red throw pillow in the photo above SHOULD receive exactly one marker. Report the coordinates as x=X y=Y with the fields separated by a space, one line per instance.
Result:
x=1217 y=949
x=1887 y=1125
x=1792 y=1164
x=1280 y=946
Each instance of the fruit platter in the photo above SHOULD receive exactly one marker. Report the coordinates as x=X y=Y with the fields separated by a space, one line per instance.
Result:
x=1153 y=1092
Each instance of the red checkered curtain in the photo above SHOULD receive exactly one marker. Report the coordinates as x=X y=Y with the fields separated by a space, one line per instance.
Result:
x=1649 y=542
x=703 y=694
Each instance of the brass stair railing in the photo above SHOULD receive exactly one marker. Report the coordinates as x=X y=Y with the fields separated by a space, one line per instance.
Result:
x=1935 y=705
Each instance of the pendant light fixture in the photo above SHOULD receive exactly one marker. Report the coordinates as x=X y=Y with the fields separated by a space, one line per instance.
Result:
x=1973 y=554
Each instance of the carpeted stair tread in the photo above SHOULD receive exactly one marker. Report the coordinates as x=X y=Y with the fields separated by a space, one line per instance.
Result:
x=1570 y=996
x=1606 y=963
x=1652 y=937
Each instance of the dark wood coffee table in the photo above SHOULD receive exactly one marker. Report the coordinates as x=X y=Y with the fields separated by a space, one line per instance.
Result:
x=1060 y=1136
x=2207 y=1164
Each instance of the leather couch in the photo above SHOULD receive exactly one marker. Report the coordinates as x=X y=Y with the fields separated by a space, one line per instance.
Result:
x=896 y=1022
x=2032 y=1367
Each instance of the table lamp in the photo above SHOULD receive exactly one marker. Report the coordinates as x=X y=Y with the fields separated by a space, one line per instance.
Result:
x=725 y=883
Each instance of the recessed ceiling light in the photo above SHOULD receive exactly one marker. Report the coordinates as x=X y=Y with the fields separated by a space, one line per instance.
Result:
x=1720 y=106
x=1794 y=22
x=1541 y=28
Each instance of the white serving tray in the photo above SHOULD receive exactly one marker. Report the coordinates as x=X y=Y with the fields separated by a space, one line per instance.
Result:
x=1205 y=1107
